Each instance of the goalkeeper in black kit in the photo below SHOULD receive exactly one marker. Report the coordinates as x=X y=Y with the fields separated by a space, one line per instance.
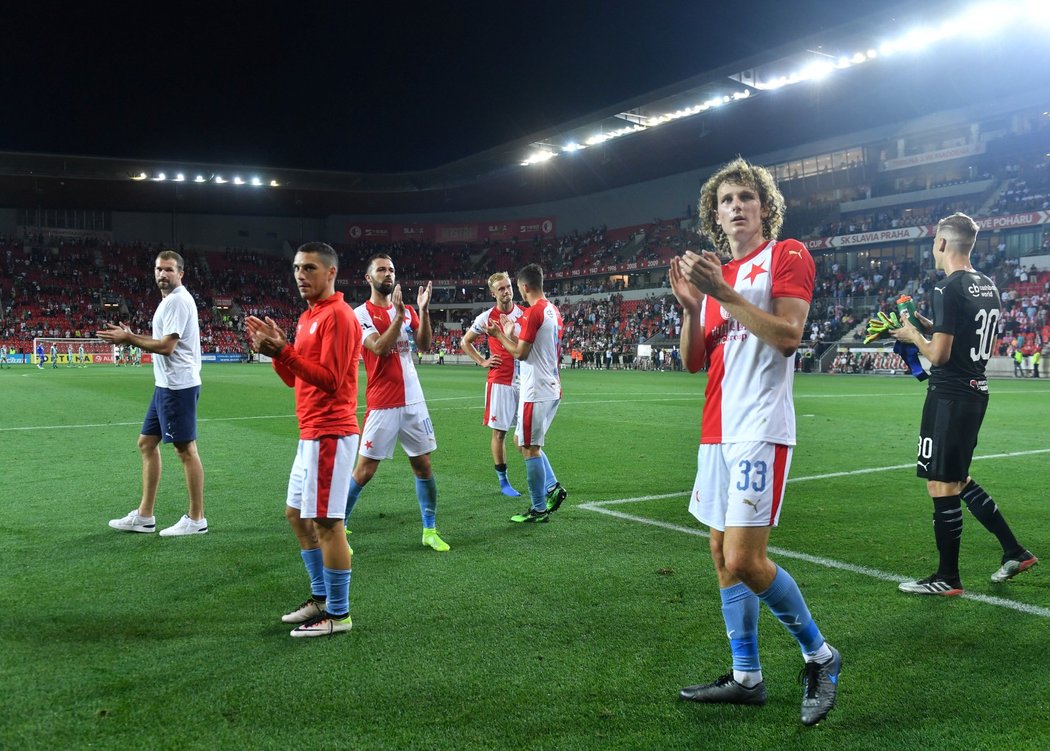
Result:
x=966 y=314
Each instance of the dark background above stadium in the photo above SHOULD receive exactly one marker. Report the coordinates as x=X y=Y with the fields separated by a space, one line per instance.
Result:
x=415 y=109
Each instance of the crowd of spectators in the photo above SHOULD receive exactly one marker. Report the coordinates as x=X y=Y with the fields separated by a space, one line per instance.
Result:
x=70 y=290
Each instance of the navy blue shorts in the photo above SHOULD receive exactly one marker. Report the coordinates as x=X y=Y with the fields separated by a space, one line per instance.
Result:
x=173 y=415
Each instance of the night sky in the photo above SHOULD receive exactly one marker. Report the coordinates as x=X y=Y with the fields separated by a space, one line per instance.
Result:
x=358 y=86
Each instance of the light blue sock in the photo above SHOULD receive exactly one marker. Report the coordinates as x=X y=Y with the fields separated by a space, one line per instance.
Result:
x=784 y=599
x=315 y=569
x=351 y=497
x=337 y=583
x=740 y=612
x=534 y=472
x=427 y=495
x=549 y=478
x=502 y=475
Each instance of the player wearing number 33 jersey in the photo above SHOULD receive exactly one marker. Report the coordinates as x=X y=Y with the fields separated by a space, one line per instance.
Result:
x=744 y=320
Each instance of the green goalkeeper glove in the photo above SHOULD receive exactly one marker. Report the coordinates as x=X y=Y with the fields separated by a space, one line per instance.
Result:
x=879 y=327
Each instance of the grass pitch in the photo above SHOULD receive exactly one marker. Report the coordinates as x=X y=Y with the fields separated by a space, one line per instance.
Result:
x=572 y=635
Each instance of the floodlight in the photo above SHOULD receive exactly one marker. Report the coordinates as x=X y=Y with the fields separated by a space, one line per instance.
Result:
x=274 y=183
x=139 y=176
x=238 y=181
x=199 y=179
x=256 y=181
x=219 y=180
x=180 y=178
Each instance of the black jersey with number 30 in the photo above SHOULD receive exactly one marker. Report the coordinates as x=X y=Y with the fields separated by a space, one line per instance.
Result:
x=965 y=305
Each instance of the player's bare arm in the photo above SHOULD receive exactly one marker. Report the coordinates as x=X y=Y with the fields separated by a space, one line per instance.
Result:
x=121 y=334
x=781 y=328
x=694 y=350
x=383 y=344
x=467 y=345
x=504 y=331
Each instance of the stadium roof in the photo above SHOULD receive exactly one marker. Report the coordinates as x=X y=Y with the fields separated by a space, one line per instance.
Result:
x=847 y=81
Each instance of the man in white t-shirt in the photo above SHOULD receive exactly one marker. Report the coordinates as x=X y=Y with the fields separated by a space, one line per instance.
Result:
x=172 y=415
x=744 y=320
x=501 y=386
x=538 y=349
x=397 y=410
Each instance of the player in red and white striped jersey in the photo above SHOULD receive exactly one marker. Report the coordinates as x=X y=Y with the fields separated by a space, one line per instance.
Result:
x=397 y=410
x=538 y=348
x=744 y=320
x=501 y=386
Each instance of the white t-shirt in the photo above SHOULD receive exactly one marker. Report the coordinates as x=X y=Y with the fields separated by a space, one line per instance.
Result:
x=177 y=314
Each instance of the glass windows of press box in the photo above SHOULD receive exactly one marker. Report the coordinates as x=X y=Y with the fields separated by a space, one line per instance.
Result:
x=818 y=164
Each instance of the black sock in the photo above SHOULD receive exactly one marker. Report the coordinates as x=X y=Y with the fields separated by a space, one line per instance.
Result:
x=987 y=513
x=501 y=467
x=947 y=531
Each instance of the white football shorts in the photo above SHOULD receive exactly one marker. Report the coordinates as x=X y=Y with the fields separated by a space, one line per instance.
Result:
x=534 y=420
x=409 y=424
x=501 y=406
x=740 y=484
x=320 y=477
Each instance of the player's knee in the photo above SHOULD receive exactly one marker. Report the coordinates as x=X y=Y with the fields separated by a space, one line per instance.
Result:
x=742 y=564
x=421 y=467
x=148 y=444
x=186 y=450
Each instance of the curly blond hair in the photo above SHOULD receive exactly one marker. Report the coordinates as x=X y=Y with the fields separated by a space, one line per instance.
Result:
x=740 y=172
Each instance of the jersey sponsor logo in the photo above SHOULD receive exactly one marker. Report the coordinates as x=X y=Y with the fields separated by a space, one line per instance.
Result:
x=924 y=465
x=979 y=385
x=982 y=290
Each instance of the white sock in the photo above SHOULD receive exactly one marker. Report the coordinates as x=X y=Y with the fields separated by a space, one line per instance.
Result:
x=747 y=678
x=821 y=655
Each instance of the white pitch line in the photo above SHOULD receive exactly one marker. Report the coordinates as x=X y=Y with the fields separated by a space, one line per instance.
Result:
x=600 y=507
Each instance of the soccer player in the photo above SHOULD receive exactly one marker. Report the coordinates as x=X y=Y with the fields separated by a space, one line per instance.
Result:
x=966 y=312
x=54 y=356
x=69 y=355
x=3 y=357
x=81 y=357
x=397 y=410
x=40 y=356
x=137 y=356
x=322 y=368
x=744 y=320
x=501 y=386
x=172 y=414
x=538 y=349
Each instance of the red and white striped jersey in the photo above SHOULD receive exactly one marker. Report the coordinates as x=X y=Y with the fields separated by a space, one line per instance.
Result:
x=749 y=383
x=540 y=378
x=504 y=374
x=392 y=379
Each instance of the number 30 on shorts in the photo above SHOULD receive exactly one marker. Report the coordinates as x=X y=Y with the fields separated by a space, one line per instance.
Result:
x=752 y=476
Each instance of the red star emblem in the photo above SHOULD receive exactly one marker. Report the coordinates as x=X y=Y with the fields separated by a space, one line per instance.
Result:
x=368 y=444
x=756 y=271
